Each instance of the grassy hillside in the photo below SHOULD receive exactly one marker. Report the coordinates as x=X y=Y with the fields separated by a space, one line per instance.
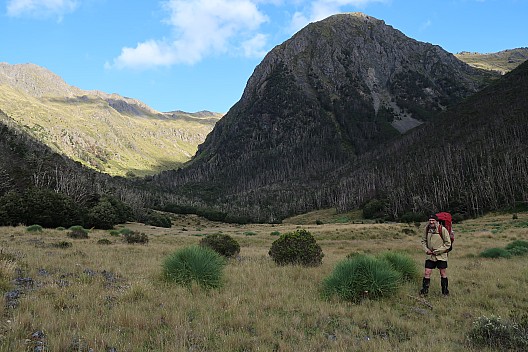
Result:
x=503 y=61
x=110 y=297
x=89 y=130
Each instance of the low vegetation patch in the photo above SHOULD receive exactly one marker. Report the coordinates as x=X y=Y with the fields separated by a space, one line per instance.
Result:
x=495 y=252
x=517 y=247
x=34 y=228
x=497 y=333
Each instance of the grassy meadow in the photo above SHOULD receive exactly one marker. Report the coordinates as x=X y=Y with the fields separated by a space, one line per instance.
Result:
x=111 y=297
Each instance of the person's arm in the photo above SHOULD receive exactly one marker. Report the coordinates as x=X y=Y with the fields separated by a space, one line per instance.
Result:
x=424 y=242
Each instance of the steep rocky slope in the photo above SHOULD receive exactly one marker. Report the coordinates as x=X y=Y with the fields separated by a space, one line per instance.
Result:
x=334 y=91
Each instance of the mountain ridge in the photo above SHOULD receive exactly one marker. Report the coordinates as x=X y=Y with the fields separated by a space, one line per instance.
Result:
x=108 y=132
x=316 y=102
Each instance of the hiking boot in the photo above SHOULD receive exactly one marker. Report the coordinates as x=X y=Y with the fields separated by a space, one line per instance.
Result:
x=445 y=283
x=425 y=287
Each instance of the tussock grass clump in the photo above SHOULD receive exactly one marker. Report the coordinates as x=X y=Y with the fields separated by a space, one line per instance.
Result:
x=136 y=237
x=495 y=253
x=125 y=231
x=297 y=247
x=496 y=333
x=34 y=228
x=361 y=276
x=78 y=232
x=198 y=264
x=114 y=233
x=518 y=247
x=402 y=263
x=7 y=272
x=222 y=244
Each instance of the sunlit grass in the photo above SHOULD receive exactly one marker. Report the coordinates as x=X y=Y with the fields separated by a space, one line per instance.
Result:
x=113 y=296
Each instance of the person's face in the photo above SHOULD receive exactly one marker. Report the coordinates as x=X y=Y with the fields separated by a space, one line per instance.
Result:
x=432 y=222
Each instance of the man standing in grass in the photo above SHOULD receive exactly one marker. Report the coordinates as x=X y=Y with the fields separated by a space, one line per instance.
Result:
x=436 y=243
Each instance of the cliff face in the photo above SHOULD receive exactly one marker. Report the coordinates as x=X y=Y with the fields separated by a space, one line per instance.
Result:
x=335 y=90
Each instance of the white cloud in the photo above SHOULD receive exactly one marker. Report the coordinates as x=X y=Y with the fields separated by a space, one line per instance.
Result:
x=320 y=9
x=255 y=47
x=200 y=28
x=41 y=8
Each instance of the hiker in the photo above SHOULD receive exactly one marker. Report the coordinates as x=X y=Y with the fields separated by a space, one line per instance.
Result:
x=436 y=243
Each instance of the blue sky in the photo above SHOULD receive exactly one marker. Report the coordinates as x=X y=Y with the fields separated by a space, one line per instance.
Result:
x=194 y=55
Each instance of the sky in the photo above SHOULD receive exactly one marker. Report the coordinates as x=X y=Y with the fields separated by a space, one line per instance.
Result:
x=195 y=55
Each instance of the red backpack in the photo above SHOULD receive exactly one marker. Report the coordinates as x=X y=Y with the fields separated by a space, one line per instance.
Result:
x=446 y=220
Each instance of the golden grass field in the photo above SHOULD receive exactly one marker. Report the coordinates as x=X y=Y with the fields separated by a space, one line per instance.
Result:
x=93 y=297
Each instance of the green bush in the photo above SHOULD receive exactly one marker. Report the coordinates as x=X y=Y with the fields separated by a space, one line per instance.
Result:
x=403 y=264
x=34 y=228
x=198 y=264
x=361 y=277
x=496 y=333
x=157 y=219
x=222 y=244
x=135 y=237
x=275 y=233
x=517 y=247
x=77 y=232
x=298 y=247
x=103 y=215
x=495 y=253
x=374 y=209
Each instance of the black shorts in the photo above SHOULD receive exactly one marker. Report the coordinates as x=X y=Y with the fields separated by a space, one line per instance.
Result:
x=440 y=264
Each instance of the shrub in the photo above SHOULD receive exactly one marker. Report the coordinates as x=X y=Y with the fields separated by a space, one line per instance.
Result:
x=495 y=253
x=275 y=233
x=374 y=209
x=222 y=244
x=78 y=232
x=518 y=247
x=34 y=228
x=49 y=208
x=403 y=264
x=104 y=241
x=135 y=237
x=194 y=264
x=250 y=233
x=103 y=215
x=495 y=333
x=157 y=219
x=298 y=247
x=63 y=244
x=361 y=277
